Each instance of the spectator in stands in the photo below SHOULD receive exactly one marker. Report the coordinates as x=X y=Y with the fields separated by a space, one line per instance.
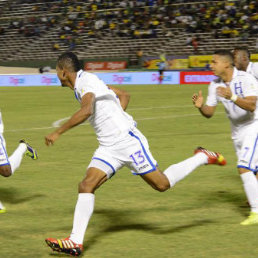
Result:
x=56 y=46
x=2 y=30
x=44 y=69
x=195 y=44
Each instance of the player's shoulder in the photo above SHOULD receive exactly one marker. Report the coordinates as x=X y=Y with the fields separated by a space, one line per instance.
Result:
x=215 y=82
x=87 y=76
x=254 y=64
x=87 y=79
x=242 y=75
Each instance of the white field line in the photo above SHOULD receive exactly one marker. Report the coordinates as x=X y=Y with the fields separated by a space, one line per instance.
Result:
x=58 y=122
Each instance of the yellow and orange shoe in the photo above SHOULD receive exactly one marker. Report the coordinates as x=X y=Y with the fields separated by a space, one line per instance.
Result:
x=213 y=157
x=65 y=245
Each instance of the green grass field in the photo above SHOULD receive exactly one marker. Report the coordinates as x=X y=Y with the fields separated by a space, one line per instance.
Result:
x=199 y=217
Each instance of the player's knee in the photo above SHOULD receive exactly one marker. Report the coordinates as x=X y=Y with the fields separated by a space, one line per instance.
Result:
x=6 y=171
x=87 y=186
x=243 y=170
x=162 y=187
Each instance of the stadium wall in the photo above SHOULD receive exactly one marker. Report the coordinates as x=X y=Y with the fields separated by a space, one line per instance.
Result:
x=117 y=78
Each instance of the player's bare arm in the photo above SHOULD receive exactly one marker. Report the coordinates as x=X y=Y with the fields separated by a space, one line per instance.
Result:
x=123 y=96
x=198 y=102
x=247 y=103
x=86 y=110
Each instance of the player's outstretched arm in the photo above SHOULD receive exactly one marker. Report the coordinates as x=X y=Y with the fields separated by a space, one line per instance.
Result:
x=77 y=118
x=198 y=101
x=123 y=96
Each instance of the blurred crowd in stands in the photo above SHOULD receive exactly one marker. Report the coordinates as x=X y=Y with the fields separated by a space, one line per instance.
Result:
x=136 y=18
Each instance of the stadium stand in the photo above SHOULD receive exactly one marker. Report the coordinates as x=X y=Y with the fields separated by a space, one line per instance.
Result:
x=97 y=29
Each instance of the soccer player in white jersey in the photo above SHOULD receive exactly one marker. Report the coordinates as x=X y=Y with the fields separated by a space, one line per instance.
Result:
x=242 y=61
x=9 y=164
x=238 y=92
x=120 y=144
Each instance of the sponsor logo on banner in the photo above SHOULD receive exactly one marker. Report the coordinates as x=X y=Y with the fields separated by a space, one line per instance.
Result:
x=49 y=80
x=120 y=79
x=166 y=78
x=196 y=77
x=110 y=65
x=16 y=80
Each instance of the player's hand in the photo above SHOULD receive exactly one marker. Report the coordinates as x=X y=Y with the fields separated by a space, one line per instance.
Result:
x=224 y=92
x=198 y=99
x=51 y=138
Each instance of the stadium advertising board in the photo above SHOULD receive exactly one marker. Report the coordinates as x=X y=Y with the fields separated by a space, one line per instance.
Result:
x=110 y=65
x=176 y=63
x=29 y=80
x=139 y=78
x=108 y=78
x=199 y=61
x=196 y=77
x=173 y=62
x=254 y=57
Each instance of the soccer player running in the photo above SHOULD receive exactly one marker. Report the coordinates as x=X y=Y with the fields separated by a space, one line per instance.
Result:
x=120 y=144
x=9 y=164
x=238 y=92
x=242 y=61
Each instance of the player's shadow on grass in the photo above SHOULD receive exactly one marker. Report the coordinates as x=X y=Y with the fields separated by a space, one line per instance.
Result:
x=236 y=199
x=124 y=220
x=12 y=195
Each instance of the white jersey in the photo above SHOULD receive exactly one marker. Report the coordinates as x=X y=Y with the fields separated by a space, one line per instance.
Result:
x=110 y=122
x=242 y=84
x=1 y=124
x=252 y=68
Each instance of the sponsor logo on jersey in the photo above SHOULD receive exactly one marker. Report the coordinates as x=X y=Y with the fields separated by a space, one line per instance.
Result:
x=143 y=167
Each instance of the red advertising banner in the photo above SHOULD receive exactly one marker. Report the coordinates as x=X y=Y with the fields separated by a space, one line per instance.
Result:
x=109 y=65
x=198 y=77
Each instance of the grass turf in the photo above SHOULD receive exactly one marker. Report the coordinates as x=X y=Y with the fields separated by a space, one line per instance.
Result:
x=199 y=217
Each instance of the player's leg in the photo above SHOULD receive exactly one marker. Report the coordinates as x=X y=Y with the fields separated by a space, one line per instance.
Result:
x=247 y=165
x=142 y=163
x=161 y=76
x=73 y=244
x=99 y=170
x=176 y=172
x=2 y=208
x=8 y=165
x=5 y=168
x=179 y=171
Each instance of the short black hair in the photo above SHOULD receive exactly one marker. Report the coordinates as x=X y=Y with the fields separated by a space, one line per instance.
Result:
x=70 y=61
x=243 y=49
x=225 y=53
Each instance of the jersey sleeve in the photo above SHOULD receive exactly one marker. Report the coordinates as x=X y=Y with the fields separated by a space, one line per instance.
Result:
x=251 y=86
x=212 y=95
x=255 y=70
x=84 y=87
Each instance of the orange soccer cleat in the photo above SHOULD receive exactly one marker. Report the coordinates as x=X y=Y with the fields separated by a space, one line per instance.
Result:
x=65 y=245
x=213 y=157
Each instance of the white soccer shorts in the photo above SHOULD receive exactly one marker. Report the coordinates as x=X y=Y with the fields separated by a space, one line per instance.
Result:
x=247 y=151
x=3 y=154
x=133 y=152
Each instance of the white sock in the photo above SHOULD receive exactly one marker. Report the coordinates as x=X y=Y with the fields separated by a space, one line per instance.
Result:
x=178 y=171
x=251 y=189
x=83 y=211
x=16 y=158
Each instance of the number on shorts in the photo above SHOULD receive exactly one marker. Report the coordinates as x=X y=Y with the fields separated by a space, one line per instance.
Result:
x=137 y=157
x=246 y=150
